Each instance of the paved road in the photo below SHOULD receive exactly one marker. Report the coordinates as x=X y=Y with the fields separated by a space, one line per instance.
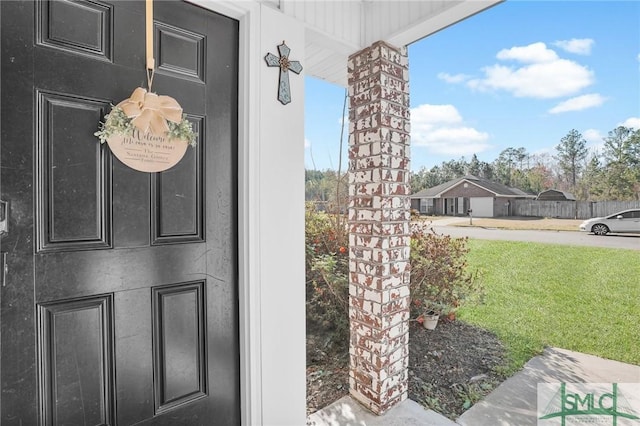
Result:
x=626 y=241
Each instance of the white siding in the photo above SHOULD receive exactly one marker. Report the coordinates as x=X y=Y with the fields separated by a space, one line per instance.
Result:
x=340 y=20
x=390 y=17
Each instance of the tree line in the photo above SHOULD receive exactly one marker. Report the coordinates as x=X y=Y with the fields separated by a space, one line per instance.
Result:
x=612 y=173
x=609 y=173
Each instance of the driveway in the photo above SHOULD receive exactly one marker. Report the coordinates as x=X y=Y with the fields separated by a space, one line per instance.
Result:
x=625 y=241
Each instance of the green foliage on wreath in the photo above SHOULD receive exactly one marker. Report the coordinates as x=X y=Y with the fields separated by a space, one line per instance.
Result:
x=182 y=130
x=118 y=123
x=115 y=123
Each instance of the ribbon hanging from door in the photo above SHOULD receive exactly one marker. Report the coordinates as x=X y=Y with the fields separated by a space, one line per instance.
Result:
x=151 y=62
x=148 y=111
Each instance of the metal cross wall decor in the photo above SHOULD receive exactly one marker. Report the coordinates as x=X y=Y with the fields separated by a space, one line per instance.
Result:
x=284 y=90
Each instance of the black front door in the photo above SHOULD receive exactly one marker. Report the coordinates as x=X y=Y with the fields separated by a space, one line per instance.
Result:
x=119 y=302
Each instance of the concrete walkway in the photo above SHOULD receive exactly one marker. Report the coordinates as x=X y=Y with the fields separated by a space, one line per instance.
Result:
x=513 y=403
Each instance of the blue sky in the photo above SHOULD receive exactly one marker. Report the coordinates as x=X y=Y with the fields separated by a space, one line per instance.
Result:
x=523 y=73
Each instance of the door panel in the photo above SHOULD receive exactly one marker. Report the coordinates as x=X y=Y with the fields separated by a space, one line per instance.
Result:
x=69 y=173
x=179 y=344
x=80 y=27
x=76 y=349
x=177 y=207
x=180 y=52
x=120 y=305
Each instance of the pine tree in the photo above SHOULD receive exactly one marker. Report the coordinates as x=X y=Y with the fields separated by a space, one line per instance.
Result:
x=572 y=151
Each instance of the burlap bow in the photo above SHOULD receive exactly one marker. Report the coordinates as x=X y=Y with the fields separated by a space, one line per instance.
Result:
x=150 y=111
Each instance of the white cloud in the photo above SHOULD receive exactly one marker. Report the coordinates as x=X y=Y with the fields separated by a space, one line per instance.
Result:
x=435 y=114
x=533 y=53
x=579 y=46
x=631 y=122
x=543 y=80
x=592 y=136
x=578 y=103
x=544 y=75
x=449 y=78
x=594 y=140
x=441 y=129
x=307 y=143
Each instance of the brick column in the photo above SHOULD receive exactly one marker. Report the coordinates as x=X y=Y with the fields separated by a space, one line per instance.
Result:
x=379 y=233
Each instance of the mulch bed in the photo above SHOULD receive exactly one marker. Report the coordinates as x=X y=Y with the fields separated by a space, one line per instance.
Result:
x=450 y=368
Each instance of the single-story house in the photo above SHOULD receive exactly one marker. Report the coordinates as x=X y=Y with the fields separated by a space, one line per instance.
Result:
x=177 y=297
x=459 y=196
x=555 y=195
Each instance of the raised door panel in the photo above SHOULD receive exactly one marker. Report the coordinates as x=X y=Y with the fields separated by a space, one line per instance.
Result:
x=177 y=202
x=81 y=27
x=73 y=183
x=179 y=344
x=76 y=362
x=180 y=52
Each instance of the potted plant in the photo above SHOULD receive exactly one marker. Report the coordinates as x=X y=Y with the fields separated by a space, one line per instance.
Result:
x=431 y=313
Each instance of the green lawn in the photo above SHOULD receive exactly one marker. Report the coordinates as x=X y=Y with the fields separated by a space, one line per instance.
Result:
x=578 y=298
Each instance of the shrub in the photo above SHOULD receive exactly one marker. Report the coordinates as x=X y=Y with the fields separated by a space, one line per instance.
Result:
x=439 y=272
x=440 y=277
x=327 y=265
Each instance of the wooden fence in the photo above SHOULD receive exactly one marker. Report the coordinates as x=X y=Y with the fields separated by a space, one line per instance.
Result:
x=570 y=209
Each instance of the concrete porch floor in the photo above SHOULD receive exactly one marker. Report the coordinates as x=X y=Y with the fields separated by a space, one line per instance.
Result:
x=348 y=412
x=513 y=403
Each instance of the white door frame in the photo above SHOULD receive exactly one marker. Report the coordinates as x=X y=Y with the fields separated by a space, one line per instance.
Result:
x=270 y=336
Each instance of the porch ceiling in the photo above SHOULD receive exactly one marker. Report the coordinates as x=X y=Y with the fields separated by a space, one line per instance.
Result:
x=337 y=28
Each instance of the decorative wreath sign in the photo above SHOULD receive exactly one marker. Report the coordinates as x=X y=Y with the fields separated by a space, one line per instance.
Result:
x=147 y=131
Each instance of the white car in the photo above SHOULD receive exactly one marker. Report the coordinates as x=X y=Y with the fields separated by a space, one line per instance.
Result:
x=624 y=221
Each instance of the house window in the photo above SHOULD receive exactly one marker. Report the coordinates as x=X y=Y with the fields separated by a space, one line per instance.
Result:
x=426 y=205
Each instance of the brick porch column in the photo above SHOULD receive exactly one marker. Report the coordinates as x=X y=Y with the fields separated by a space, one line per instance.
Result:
x=379 y=233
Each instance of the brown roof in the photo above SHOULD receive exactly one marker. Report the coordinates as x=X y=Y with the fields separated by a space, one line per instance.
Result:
x=498 y=189
x=556 y=194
